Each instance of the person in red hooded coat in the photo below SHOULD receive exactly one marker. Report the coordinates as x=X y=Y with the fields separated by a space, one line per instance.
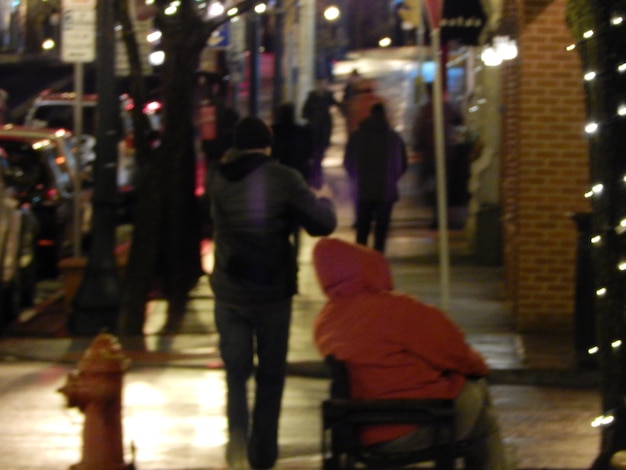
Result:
x=395 y=346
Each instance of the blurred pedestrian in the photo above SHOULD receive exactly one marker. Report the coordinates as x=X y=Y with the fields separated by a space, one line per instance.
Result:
x=4 y=103
x=316 y=110
x=293 y=146
x=357 y=105
x=424 y=143
x=395 y=346
x=350 y=89
x=254 y=202
x=293 y=142
x=375 y=159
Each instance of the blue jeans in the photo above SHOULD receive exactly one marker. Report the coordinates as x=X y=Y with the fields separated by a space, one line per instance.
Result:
x=245 y=331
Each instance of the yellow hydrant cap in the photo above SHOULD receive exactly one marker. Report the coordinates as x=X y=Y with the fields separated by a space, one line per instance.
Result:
x=618 y=460
x=104 y=355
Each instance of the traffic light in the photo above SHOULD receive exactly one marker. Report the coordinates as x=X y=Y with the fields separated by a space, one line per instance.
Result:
x=411 y=12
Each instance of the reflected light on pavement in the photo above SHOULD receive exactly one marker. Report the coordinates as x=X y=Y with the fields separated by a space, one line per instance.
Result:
x=142 y=393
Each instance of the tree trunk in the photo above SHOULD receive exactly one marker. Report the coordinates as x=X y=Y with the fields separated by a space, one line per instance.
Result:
x=599 y=53
x=167 y=229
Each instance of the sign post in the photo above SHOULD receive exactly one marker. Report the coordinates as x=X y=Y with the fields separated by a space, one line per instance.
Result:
x=78 y=45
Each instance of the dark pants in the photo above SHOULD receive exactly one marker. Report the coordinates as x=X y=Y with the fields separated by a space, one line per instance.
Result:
x=378 y=212
x=241 y=329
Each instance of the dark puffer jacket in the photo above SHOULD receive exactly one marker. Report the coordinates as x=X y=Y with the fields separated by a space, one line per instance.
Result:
x=255 y=203
x=375 y=159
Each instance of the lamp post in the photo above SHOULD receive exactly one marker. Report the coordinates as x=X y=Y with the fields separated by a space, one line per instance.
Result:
x=279 y=17
x=96 y=303
x=329 y=43
x=254 y=39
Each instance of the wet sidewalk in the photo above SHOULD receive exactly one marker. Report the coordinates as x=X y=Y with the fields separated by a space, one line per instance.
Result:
x=174 y=391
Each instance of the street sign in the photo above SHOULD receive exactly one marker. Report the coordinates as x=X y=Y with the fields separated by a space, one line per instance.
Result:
x=219 y=37
x=141 y=29
x=72 y=4
x=78 y=34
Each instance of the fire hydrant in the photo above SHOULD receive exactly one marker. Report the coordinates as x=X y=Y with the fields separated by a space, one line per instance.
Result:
x=95 y=388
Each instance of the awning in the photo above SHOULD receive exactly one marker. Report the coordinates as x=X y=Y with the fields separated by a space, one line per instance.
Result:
x=463 y=21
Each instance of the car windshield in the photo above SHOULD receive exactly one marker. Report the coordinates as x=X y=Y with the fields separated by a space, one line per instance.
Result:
x=62 y=116
x=37 y=168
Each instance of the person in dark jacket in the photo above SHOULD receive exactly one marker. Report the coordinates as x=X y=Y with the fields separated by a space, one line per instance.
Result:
x=316 y=110
x=254 y=203
x=424 y=143
x=375 y=159
x=293 y=146
x=293 y=142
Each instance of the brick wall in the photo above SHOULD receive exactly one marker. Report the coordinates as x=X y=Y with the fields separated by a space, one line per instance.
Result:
x=545 y=167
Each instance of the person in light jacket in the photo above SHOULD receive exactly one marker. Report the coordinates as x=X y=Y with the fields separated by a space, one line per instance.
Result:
x=395 y=346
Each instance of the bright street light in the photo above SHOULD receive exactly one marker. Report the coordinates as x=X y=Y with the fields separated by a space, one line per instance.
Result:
x=332 y=13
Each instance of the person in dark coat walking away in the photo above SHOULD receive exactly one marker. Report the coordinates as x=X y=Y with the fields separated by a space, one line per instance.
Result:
x=293 y=146
x=424 y=143
x=316 y=110
x=375 y=159
x=293 y=142
x=254 y=203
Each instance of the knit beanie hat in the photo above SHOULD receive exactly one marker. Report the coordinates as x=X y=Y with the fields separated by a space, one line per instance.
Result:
x=252 y=133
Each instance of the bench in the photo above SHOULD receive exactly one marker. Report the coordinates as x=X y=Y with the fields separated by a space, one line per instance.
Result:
x=342 y=417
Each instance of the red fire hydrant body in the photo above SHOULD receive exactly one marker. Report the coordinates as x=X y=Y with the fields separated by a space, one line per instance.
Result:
x=96 y=389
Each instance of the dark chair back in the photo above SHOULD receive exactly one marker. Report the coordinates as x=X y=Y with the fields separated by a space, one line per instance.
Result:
x=343 y=416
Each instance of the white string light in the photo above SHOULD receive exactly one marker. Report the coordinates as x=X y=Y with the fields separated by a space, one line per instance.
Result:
x=589 y=76
x=591 y=128
x=612 y=348
x=602 y=420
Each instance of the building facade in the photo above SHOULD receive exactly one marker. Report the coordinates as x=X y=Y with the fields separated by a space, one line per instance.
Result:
x=545 y=167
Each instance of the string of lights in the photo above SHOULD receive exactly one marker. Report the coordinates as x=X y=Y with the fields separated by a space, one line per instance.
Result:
x=599 y=30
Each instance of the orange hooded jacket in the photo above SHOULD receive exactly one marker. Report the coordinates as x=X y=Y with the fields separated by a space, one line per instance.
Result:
x=394 y=345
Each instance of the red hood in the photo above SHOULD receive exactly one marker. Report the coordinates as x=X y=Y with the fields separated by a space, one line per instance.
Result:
x=346 y=268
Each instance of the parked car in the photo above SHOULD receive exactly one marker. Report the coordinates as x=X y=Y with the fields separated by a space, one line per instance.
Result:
x=18 y=229
x=56 y=110
x=62 y=138
x=44 y=179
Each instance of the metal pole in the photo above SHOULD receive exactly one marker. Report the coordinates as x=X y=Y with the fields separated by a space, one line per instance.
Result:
x=79 y=73
x=306 y=51
x=278 y=56
x=254 y=65
x=97 y=301
x=440 y=154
